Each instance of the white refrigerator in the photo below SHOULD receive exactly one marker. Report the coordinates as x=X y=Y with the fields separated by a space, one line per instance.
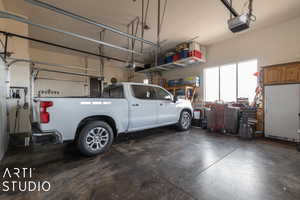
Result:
x=282 y=108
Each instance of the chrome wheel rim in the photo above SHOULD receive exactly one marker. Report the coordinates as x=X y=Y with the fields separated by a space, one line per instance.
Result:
x=97 y=138
x=186 y=120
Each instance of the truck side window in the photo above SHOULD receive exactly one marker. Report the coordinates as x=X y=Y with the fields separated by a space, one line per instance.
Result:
x=143 y=92
x=162 y=95
x=113 y=92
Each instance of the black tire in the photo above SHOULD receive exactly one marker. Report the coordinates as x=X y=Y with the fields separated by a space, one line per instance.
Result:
x=100 y=136
x=181 y=125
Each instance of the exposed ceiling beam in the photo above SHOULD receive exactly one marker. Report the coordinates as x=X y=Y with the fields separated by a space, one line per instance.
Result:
x=15 y=60
x=61 y=46
x=86 y=20
x=23 y=20
x=63 y=72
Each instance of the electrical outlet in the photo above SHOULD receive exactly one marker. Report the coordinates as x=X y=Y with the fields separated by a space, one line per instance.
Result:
x=298 y=131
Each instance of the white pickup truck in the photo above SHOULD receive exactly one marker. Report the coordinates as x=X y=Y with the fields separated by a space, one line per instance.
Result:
x=94 y=122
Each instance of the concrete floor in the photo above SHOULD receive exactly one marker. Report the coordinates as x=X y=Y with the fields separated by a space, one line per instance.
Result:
x=165 y=164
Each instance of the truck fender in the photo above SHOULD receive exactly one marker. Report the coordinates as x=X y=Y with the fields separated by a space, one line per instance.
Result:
x=105 y=118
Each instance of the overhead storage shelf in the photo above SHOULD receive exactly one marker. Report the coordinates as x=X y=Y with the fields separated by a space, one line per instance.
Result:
x=174 y=65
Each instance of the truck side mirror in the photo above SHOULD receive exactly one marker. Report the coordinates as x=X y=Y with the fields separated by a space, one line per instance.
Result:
x=175 y=99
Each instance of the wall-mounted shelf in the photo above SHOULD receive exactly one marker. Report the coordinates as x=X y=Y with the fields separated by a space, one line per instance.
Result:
x=174 y=65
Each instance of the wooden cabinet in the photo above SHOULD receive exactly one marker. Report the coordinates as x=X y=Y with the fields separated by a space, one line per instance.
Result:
x=292 y=74
x=282 y=74
x=274 y=75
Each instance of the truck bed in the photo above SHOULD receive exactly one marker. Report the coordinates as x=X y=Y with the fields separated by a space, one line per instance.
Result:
x=67 y=112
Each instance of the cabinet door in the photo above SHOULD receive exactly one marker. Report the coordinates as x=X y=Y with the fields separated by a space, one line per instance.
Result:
x=292 y=74
x=274 y=75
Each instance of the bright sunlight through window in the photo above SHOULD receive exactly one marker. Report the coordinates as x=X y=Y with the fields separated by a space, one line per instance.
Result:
x=211 y=80
x=228 y=82
x=247 y=82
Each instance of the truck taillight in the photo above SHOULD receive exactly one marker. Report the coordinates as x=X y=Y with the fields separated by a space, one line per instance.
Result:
x=44 y=115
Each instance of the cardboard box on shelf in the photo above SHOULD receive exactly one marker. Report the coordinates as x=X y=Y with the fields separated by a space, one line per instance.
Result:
x=182 y=46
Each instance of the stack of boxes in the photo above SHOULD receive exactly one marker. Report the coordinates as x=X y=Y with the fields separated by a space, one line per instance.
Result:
x=184 y=50
x=195 y=50
x=169 y=57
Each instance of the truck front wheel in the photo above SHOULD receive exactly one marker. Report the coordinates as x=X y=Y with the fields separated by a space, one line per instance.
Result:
x=185 y=120
x=96 y=137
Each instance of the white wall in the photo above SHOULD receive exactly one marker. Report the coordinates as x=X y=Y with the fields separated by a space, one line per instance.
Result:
x=276 y=44
x=77 y=85
x=138 y=77
x=19 y=73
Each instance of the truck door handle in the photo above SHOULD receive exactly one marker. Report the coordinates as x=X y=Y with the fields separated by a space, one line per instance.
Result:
x=161 y=104
x=136 y=104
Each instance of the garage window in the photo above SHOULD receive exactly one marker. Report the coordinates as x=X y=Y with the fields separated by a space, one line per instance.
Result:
x=211 y=82
x=227 y=82
x=247 y=82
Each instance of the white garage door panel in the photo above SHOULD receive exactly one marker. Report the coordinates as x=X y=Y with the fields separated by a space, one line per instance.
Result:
x=282 y=104
x=66 y=88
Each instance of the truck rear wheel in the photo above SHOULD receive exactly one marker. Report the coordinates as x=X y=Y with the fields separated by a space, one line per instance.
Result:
x=95 y=138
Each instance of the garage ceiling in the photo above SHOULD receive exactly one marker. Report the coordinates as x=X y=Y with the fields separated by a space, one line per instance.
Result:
x=184 y=20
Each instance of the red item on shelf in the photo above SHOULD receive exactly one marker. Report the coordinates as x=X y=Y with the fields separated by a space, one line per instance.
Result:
x=176 y=57
x=195 y=53
x=256 y=74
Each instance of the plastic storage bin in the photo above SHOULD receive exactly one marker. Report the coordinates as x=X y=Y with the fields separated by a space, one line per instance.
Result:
x=176 y=57
x=169 y=59
x=195 y=53
x=192 y=80
x=194 y=46
x=172 y=83
x=184 y=53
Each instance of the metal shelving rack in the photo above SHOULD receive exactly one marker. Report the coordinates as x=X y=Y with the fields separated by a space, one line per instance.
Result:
x=174 y=65
x=189 y=91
